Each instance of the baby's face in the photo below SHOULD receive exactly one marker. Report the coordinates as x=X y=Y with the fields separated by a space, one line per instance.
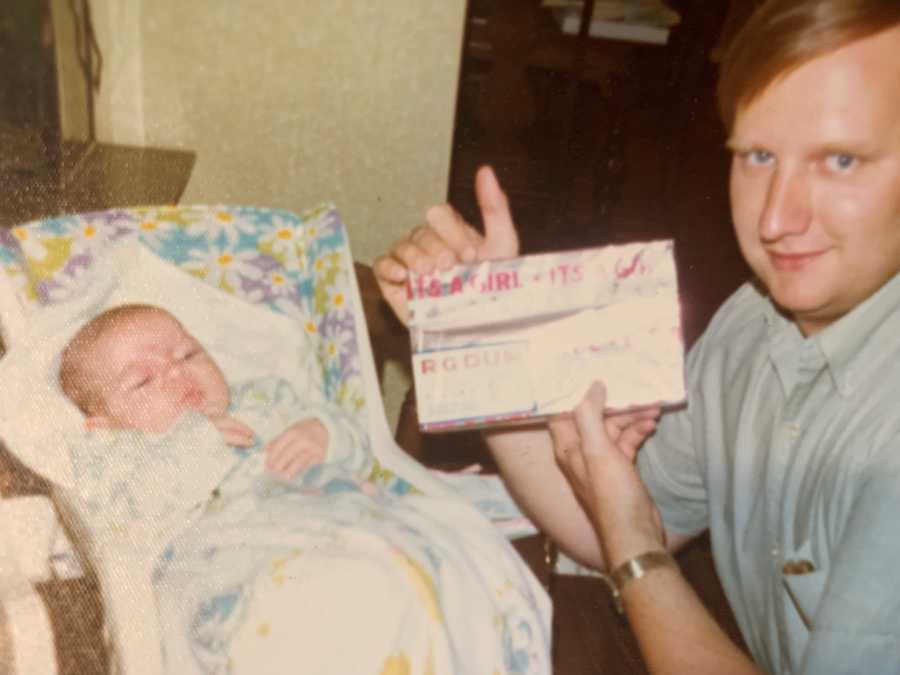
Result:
x=149 y=371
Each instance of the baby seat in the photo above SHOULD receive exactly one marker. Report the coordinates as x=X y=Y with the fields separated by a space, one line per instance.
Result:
x=298 y=266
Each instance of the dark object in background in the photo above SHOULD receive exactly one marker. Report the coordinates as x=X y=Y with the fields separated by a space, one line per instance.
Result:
x=51 y=71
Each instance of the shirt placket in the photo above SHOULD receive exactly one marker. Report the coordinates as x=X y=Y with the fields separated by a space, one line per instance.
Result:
x=809 y=364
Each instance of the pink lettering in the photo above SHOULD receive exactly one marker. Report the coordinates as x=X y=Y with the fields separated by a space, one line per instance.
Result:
x=456 y=285
x=623 y=272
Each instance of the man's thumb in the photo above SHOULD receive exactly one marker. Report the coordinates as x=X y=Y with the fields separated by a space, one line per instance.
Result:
x=500 y=237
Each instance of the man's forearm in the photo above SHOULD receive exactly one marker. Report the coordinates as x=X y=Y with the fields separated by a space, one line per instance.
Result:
x=675 y=631
x=529 y=469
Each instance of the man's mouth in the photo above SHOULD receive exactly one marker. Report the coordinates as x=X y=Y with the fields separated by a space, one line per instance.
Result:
x=793 y=262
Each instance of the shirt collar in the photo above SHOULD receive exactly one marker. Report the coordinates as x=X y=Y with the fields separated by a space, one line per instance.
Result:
x=853 y=344
x=789 y=351
x=849 y=345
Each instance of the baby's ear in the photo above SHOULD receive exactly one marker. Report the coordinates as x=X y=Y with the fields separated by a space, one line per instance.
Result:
x=97 y=422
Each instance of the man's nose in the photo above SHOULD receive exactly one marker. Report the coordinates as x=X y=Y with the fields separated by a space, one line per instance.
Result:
x=787 y=207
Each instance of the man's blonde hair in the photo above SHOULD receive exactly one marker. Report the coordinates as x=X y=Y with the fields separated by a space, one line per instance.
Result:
x=783 y=35
x=76 y=376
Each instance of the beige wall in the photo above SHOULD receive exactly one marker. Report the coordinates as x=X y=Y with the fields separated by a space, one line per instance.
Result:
x=291 y=102
x=119 y=105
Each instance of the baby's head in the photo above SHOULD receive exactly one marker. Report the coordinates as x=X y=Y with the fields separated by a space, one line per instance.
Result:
x=136 y=367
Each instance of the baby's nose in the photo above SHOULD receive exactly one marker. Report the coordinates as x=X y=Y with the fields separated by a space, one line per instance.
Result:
x=177 y=373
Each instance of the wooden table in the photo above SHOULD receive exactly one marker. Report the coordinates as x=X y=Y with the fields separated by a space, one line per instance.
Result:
x=106 y=176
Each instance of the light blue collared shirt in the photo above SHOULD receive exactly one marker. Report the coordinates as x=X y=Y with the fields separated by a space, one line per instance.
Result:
x=788 y=451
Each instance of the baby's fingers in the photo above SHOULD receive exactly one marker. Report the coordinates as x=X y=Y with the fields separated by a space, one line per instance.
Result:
x=235 y=432
x=281 y=441
x=295 y=465
x=288 y=461
x=278 y=452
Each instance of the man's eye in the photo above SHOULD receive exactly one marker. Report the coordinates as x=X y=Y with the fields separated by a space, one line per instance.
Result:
x=758 y=157
x=841 y=161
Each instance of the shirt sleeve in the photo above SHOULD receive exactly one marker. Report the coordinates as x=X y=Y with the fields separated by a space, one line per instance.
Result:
x=348 y=443
x=856 y=626
x=670 y=463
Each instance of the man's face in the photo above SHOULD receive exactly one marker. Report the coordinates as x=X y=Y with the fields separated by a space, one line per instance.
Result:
x=815 y=181
x=149 y=371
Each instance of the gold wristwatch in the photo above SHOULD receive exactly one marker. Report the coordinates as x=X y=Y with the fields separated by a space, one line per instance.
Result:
x=635 y=568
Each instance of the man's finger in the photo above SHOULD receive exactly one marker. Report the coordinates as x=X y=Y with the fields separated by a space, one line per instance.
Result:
x=413 y=256
x=438 y=250
x=622 y=420
x=500 y=237
x=589 y=420
x=391 y=274
x=565 y=437
x=460 y=239
x=635 y=435
x=390 y=270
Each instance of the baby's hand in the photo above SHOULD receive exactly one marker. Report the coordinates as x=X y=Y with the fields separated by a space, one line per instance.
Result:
x=297 y=448
x=236 y=433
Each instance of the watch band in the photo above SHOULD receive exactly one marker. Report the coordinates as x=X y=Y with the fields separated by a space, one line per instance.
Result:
x=635 y=568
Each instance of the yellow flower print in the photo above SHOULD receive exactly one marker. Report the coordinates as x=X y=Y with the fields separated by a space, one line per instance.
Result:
x=87 y=237
x=284 y=242
x=337 y=299
x=31 y=245
x=397 y=664
x=224 y=268
x=423 y=584
x=154 y=231
x=215 y=224
x=279 y=284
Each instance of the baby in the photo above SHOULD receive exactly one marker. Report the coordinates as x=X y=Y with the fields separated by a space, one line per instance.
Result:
x=136 y=367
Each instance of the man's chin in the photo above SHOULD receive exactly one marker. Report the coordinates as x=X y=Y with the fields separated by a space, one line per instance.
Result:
x=810 y=313
x=797 y=298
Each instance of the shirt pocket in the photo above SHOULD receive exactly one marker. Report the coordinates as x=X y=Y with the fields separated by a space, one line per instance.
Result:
x=803 y=582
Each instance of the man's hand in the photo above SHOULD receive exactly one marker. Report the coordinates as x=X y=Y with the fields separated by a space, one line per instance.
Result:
x=596 y=453
x=236 y=433
x=297 y=448
x=446 y=239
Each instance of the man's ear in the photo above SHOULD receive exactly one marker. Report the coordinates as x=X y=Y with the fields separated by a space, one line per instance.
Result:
x=95 y=422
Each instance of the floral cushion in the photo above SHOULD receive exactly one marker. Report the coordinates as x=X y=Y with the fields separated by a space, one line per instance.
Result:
x=298 y=265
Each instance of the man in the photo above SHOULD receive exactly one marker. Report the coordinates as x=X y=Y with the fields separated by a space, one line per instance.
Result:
x=789 y=448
